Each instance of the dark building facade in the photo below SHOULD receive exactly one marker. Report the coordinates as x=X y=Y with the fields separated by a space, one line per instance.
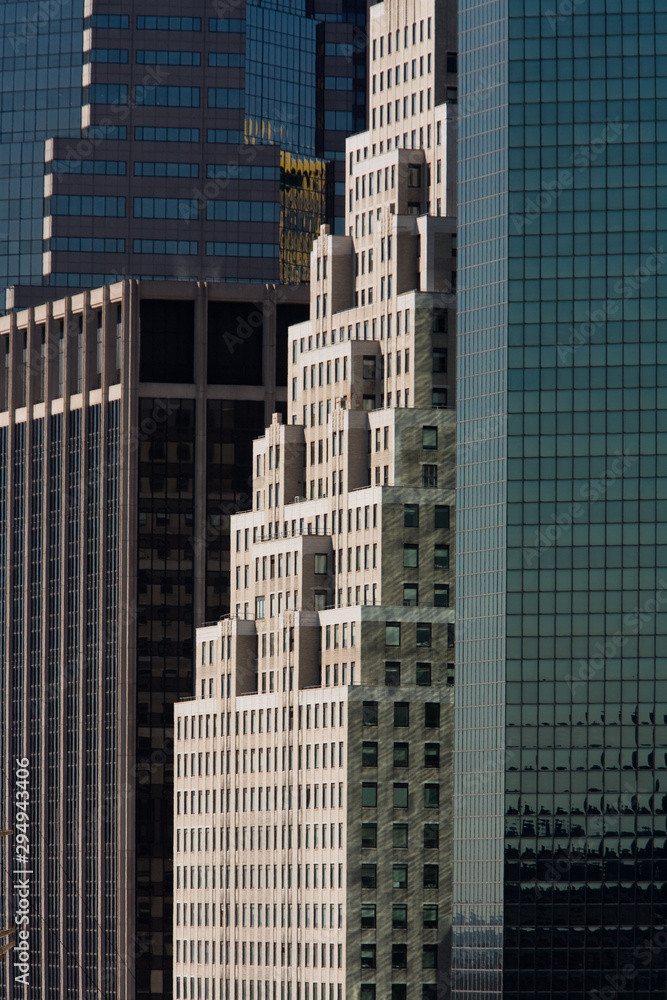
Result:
x=171 y=146
x=561 y=698
x=121 y=461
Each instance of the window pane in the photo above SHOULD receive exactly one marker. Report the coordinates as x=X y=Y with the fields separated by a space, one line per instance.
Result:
x=431 y=755
x=393 y=634
x=401 y=754
x=400 y=796
x=441 y=557
x=369 y=754
x=410 y=595
x=430 y=915
x=392 y=673
x=429 y=956
x=399 y=915
x=368 y=877
x=368 y=956
x=429 y=437
x=369 y=795
x=368 y=914
x=399 y=956
x=399 y=991
x=411 y=556
x=423 y=633
x=411 y=515
x=370 y=713
x=431 y=796
x=430 y=876
x=440 y=595
x=441 y=517
x=423 y=675
x=367 y=991
x=431 y=715
x=400 y=876
x=401 y=713
x=369 y=835
x=400 y=835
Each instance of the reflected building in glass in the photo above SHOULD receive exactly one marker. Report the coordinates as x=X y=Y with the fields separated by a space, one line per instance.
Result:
x=561 y=702
x=149 y=144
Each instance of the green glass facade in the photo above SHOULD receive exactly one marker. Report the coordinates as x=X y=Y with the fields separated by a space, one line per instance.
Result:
x=561 y=763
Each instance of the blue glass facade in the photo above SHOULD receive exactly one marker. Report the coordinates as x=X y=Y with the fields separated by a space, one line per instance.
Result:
x=561 y=816
x=41 y=54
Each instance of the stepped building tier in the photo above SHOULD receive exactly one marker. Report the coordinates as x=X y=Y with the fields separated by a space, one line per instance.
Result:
x=312 y=834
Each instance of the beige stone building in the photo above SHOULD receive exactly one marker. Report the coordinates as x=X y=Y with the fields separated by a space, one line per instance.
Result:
x=312 y=829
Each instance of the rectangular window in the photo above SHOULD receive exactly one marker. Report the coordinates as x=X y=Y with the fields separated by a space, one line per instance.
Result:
x=423 y=675
x=400 y=835
x=431 y=715
x=441 y=517
x=401 y=714
x=369 y=794
x=370 y=713
x=392 y=673
x=429 y=437
x=440 y=595
x=400 y=876
x=441 y=557
x=431 y=796
x=369 y=754
x=393 y=634
x=430 y=915
x=368 y=876
x=411 y=515
x=399 y=916
x=401 y=754
x=410 y=595
x=423 y=633
x=369 y=836
x=430 y=476
x=411 y=556
x=368 y=915
x=431 y=830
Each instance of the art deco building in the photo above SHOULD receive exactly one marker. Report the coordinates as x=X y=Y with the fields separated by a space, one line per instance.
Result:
x=312 y=828
x=127 y=416
x=561 y=816
x=145 y=141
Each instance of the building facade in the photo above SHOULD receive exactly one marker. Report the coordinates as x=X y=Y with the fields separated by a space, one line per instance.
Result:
x=122 y=457
x=561 y=703
x=147 y=144
x=312 y=828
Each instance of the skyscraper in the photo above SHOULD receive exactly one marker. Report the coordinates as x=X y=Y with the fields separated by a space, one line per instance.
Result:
x=312 y=839
x=126 y=423
x=561 y=698
x=148 y=144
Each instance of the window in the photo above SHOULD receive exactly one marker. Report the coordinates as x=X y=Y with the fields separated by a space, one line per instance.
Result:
x=411 y=556
x=439 y=397
x=441 y=557
x=320 y=564
x=368 y=956
x=440 y=595
x=401 y=754
x=392 y=634
x=401 y=714
x=430 y=915
x=431 y=715
x=429 y=437
x=367 y=991
x=431 y=835
x=369 y=876
x=370 y=713
x=429 y=956
x=423 y=633
x=399 y=919
x=369 y=754
x=400 y=795
x=423 y=675
x=369 y=836
x=431 y=796
x=429 y=476
x=368 y=915
x=259 y=607
x=429 y=991
x=410 y=595
x=431 y=877
x=439 y=360
x=441 y=517
x=400 y=876
x=399 y=991
x=369 y=794
x=369 y=366
x=399 y=956
x=400 y=835
x=392 y=673
x=411 y=515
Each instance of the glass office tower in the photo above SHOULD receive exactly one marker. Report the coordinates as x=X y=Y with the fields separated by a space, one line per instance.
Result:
x=142 y=143
x=561 y=868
